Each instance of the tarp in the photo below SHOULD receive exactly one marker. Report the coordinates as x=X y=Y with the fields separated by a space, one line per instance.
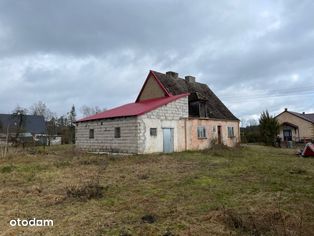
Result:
x=308 y=150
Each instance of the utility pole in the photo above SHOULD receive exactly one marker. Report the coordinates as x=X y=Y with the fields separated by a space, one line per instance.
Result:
x=7 y=140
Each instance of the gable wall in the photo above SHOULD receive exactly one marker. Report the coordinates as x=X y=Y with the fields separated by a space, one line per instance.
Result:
x=104 y=139
x=167 y=116
x=151 y=90
x=306 y=128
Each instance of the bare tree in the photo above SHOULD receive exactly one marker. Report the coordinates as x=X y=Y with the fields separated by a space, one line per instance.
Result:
x=18 y=118
x=20 y=110
x=88 y=111
x=41 y=109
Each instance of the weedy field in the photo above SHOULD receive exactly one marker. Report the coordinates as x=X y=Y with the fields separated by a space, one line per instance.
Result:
x=251 y=190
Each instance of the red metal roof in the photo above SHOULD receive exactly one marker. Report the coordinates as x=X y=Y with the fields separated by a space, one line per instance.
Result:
x=134 y=109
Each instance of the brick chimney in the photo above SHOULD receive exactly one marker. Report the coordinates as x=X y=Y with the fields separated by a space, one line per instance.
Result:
x=286 y=109
x=303 y=113
x=190 y=78
x=172 y=74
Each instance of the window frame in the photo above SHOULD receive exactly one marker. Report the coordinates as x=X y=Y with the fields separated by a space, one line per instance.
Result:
x=91 y=133
x=201 y=132
x=230 y=130
x=153 y=132
x=117 y=132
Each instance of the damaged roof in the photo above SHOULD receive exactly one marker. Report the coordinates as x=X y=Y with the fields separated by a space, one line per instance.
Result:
x=198 y=91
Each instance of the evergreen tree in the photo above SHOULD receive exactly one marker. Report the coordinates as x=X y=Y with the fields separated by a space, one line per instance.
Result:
x=269 y=128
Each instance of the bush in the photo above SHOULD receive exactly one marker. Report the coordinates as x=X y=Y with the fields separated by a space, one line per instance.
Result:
x=7 y=169
x=86 y=191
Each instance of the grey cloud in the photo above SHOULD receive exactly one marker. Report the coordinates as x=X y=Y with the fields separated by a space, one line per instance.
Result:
x=99 y=52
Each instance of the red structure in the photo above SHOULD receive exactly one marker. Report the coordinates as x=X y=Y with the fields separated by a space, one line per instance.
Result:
x=308 y=150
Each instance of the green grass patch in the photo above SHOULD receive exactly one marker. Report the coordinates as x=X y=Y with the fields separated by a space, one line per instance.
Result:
x=250 y=190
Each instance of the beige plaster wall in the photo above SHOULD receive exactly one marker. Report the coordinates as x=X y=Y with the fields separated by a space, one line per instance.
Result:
x=151 y=90
x=306 y=128
x=211 y=126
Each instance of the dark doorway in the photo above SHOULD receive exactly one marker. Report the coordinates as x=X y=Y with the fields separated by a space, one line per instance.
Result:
x=287 y=135
x=219 y=134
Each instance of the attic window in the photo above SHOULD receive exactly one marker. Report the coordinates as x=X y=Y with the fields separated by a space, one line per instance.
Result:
x=153 y=131
x=201 y=132
x=91 y=133
x=117 y=132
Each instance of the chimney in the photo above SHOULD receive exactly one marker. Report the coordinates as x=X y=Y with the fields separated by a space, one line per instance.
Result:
x=303 y=113
x=172 y=74
x=286 y=109
x=190 y=78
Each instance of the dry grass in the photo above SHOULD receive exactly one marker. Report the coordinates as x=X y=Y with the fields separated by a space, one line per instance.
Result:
x=251 y=190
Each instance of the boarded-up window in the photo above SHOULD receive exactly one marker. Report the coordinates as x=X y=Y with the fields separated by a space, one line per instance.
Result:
x=117 y=132
x=201 y=132
x=230 y=132
x=153 y=131
x=91 y=133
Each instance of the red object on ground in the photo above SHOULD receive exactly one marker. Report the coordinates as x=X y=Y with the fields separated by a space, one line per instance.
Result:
x=308 y=150
x=134 y=109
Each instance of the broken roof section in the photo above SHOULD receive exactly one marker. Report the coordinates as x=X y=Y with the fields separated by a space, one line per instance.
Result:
x=160 y=89
x=175 y=85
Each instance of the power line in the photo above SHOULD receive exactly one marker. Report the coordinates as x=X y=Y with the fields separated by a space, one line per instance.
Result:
x=299 y=91
x=277 y=91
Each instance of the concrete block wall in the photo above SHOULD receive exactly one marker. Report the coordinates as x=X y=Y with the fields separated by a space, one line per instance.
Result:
x=171 y=111
x=167 y=116
x=104 y=139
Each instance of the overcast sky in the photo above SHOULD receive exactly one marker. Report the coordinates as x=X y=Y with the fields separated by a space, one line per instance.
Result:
x=254 y=55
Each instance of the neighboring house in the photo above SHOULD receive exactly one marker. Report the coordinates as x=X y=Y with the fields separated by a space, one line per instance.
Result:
x=169 y=114
x=27 y=126
x=296 y=126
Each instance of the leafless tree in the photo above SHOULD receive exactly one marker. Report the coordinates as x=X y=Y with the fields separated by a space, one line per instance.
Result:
x=41 y=109
x=89 y=110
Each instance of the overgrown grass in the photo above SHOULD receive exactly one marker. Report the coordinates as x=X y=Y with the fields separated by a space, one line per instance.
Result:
x=251 y=190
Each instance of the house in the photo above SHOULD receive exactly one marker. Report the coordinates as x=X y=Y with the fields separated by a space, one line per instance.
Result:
x=296 y=126
x=26 y=126
x=169 y=114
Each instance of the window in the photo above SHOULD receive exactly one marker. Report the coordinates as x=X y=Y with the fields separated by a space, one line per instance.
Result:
x=153 y=131
x=230 y=132
x=201 y=132
x=117 y=132
x=91 y=133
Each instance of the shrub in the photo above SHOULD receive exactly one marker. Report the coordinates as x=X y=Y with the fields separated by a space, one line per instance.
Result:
x=7 y=169
x=85 y=191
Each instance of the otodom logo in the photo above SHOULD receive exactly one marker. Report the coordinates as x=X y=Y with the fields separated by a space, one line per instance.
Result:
x=31 y=222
